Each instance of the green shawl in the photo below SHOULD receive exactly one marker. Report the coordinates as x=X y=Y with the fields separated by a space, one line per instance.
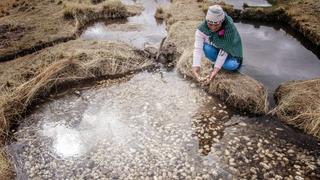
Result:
x=230 y=42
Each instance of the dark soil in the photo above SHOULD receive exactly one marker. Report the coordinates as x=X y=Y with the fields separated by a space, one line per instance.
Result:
x=10 y=33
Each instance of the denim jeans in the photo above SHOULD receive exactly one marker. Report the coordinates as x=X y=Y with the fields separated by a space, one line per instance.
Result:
x=211 y=53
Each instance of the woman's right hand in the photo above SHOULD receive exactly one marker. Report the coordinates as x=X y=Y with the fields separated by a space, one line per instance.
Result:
x=196 y=72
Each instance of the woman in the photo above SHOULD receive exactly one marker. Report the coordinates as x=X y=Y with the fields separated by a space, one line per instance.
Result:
x=220 y=40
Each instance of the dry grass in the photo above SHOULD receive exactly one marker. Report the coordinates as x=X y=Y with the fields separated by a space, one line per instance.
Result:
x=112 y=55
x=112 y=8
x=184 y=10
x=90 y=59
x=86 y=13
x=5 y=5
x=299 y=105
x=182 y=34
x=5 y=168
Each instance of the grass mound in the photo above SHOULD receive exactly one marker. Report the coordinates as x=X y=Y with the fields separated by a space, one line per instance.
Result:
x=237 y=90
x=181 y=34
x=86 y=13
x=298 y=104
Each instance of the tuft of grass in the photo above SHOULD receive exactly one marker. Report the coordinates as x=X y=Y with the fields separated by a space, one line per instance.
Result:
x=5 y=167
x=298 y=104
x=160 y=13
x=84 y=13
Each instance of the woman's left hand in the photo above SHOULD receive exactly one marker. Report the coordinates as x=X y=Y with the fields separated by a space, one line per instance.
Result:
x=214 y=74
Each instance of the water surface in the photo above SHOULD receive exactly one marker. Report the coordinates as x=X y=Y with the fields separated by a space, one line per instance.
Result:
x=273 y=56
x=238 y=4
x=139 y=31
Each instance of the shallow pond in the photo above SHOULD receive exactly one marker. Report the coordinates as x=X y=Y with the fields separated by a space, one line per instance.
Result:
x=273 y=56
x=144 y=128
x=139 y=31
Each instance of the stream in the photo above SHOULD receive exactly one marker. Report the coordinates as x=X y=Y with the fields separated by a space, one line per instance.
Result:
x=157 y=125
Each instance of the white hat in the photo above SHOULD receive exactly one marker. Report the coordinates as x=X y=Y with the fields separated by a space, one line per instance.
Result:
x=215 y=14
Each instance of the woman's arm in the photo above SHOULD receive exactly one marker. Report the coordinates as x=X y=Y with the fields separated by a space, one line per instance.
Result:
x=197 y=52
x=222 y=56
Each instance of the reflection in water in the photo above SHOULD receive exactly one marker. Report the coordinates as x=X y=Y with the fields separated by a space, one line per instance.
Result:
x=272 y=56
x=139 y=31
x=67 y=142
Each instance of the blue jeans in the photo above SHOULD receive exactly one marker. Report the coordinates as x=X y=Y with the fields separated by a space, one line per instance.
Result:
x=211 y=53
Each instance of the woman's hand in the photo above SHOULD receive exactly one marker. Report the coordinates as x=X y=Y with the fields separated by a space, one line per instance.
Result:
x=196 y=72
x=214 y=74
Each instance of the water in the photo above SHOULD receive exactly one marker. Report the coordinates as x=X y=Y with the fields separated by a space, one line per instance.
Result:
x=154 y=125
x=139 y=31
x=142 y=126
x=238 y=4
x=273 y=56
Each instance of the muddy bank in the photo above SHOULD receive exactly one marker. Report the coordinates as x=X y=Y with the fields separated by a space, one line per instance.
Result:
x=50 y=22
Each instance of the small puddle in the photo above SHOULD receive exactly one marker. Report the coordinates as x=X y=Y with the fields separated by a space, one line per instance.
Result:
x=139 y=31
